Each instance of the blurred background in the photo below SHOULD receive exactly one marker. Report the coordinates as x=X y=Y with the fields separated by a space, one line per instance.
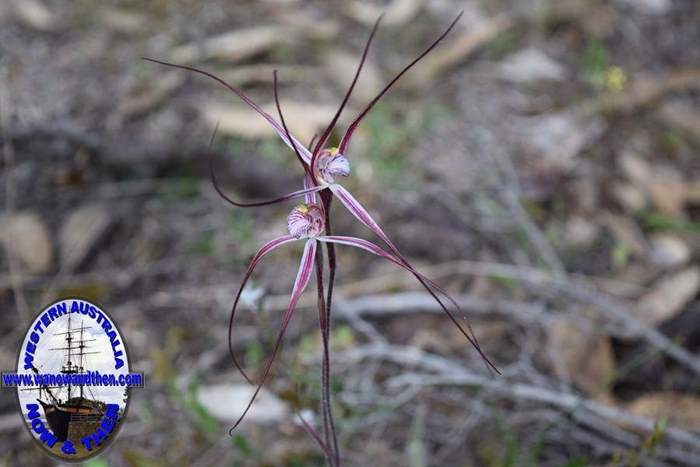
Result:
x=542 y=164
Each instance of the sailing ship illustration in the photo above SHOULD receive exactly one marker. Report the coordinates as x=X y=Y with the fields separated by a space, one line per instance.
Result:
x=71 y=411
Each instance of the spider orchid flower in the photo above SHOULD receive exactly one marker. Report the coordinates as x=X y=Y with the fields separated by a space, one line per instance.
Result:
x=323 y=166
x=306 y=223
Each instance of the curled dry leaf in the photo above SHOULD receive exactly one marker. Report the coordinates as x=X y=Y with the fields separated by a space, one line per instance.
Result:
x=681 y=410
x=304 y=119
x=669 y=296
x=587 y=356
x=397 y=13
x=232 y=46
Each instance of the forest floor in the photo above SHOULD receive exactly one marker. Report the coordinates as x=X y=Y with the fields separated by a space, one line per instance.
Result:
x=542 y=165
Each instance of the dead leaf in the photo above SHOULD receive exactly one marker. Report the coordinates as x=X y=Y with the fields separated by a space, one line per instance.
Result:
x=231 y=46
x=558 y=138
x=580 y=232
x=120 y=20
x=34 y=14
x=81 y=232
x=629 y=195
x=262 y=73
x=26 y=236
x=587 y=356
x=669 y=250
x=681 y=115
x=682 y=410
x=462 y=47
x=644 y=91
x=626 y=232
x=669 y=296
x=226 y=401
x=304 y=119
x=669 y=194
x=315 y=28
x=145 y=99
x=648 y=7
x=635 y=168
x=397 y=13
x=530 y=65
x=692 y=195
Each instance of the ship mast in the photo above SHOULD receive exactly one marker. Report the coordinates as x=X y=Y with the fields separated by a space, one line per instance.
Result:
x=70 y=368
x=82 y=347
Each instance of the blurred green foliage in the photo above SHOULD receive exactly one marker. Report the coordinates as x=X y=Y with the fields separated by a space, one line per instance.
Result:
x=393 y=128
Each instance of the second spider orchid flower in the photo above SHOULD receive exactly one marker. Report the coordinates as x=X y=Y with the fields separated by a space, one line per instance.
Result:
x=306 y=223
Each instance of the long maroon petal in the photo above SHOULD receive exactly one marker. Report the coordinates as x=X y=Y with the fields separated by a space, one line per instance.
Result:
x=280 y=131
x=304 y=165
x=329 y=128
x=293 y=195
x=302 y=280
x=424 y=280
x=363 y=216
x=353 y=126
x=264 y=250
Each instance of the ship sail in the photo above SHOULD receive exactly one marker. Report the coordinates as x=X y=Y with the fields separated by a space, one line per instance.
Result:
x=70 y=412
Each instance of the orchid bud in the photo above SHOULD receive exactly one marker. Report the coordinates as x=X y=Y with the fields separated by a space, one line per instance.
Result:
x=306 y=220
x=330 y=164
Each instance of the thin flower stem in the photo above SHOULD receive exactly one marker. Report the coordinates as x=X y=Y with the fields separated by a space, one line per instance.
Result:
x=326 y=199
x=322 y=326
x=328 y=426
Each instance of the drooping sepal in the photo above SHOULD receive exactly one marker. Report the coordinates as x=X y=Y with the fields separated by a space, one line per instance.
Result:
x=306 y=267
